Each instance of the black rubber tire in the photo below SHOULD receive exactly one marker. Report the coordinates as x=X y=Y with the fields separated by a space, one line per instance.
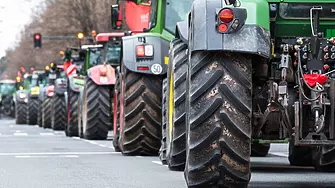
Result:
x=39 y=117
x=219 y=109
x=46 y=112
x=163 y=149
x=80 y=116
x=33 y=104
x=21 y=113
x=141 y=131
x=58 y=113
x=325 y=159
x=259 y=150
x=116 y=137
x=97 y=118
x=176 y=153
x=72 y=127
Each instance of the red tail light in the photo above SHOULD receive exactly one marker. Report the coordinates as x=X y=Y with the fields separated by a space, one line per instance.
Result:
x=226 y=15
x=143 y=68
x=140 y=51
x=223 y=28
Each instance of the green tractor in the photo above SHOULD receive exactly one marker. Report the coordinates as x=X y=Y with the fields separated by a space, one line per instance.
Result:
x=244 y=74
x=7 y=99
x=97 y=95
x=91 y=55
x=47 y=92
x=21 y=101
x=33 y=97
x=138 y=97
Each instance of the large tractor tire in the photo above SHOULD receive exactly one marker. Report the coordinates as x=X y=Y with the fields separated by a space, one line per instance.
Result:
x=141 y=130
x=21 y=113
x=325 y=159
x=176 y=155
x=72 y=127
x=97 y=110
x=39 y=117
x=218 y=120
x=259 y=150
x=299 y=155
x=116 y=111
x=163 y=149
x=33 y=105
x=58 y=113
x=46 y=113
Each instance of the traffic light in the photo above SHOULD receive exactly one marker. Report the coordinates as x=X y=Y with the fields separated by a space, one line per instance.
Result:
x=37 y=40
x=80 y=35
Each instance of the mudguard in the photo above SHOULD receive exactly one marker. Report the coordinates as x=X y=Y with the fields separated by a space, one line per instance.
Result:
x=102 y=74
x=22 y=96
x=76 y=83
x=253 y=37
x=156 y=65
x=182 y=31
x=60 y=86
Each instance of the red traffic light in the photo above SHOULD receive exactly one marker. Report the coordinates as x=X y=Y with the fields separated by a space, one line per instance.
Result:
x=37 y=37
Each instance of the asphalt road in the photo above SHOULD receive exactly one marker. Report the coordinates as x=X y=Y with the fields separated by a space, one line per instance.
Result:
x=32 y=157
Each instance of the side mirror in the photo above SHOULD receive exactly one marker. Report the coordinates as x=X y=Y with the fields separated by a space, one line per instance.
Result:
x=116 y=17
x=230 y=2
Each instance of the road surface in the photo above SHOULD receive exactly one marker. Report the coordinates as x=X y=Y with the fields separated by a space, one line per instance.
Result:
x=32 y=157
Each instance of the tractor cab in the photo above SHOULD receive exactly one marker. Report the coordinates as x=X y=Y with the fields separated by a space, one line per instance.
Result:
x=111 y=50
x=7 y=87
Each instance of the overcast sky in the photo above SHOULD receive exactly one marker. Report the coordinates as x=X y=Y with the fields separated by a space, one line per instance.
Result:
x=13 y=16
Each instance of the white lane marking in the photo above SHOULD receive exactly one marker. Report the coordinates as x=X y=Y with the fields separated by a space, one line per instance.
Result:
x=139 y=156
x=279 y=154
x=0 y=133
x=46 y=134
x=20 y=134
x=59 y=153
x=11 y=126
x=102 y=145
x=76 y=138
x=46 y=156
x=69 y=156
x=157 y=162
x=18 y=131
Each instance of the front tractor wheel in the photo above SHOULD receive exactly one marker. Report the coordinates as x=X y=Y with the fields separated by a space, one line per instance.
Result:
x=58 y=117
x=97 y=111
x=218 y=120
x=259 y=150
x=325 y=159
x=141 y=129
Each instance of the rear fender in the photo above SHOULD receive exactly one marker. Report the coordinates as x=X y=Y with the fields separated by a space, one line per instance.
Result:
x=76 y=83
x=60 y=86
x=102 y=74
x=156 y=65
x=253 y=37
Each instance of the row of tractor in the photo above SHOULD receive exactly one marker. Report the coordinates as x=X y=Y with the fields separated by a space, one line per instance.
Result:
x=205 y=85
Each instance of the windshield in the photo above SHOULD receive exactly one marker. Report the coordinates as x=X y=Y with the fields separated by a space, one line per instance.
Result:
x=34 y=82
x=176 y=11
x=302 y=11
x=113 y=53
x=153 y=14
x=94 y=57
x=7 y=88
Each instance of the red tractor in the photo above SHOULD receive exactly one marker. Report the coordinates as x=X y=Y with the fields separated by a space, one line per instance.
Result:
x=97 y=95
